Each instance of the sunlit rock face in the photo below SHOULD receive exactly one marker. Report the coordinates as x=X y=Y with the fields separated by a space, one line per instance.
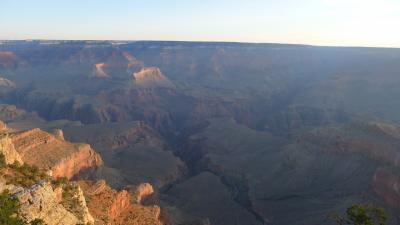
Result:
x=42 y=201
x=3 y=126
x=46 y=151
x=8 y=150
x=108 y=205
x=149 y=77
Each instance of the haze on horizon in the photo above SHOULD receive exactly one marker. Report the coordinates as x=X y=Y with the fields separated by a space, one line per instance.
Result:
x=371 y=23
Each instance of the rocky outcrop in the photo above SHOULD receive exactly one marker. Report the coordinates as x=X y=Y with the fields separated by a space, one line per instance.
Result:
x=117 y=64
x=41 y=201
x=58 y=133
x=84 y=158
x=109 y=206
x=8 y=150
x=119 y=205
x=3 y=126
x=98 y=71
x=62 y=158
x=142 y=192
x=78 y=206
x=5 y=83
x=149 y=77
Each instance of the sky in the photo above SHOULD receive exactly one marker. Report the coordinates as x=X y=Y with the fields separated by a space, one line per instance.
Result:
x=318 y=22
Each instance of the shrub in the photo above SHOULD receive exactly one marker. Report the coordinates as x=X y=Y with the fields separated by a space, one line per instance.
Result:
x=26 y=175
x=60 y=181
x=70 y=199
x=362 y=214
x=2 y=160
x=9 y=210
x=38 y=222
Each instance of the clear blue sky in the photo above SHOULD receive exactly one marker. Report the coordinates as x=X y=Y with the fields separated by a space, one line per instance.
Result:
x=320 y=22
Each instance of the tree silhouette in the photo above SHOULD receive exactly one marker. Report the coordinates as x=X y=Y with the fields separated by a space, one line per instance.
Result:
x=362 y=214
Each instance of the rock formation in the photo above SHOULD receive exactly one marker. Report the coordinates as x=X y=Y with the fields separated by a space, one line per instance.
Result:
x=118 y=64
x=142 y=192
x=3 y=126
x=109 y=206
x=42 y=201
x=149 y=77
x=44 y=150
x=8 y=150
x=5 y=83
x=98 y=71
x=58 y=133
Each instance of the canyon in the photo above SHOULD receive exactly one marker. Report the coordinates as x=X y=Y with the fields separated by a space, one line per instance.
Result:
x=203 y=133
x=37 y=171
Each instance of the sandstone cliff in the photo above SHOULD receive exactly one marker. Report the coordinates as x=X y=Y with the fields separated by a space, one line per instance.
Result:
x=143 y=192
x=98 y=71
x=62 y=158
x=149 y=77
x=39 y=202
x=3 y=126
x=8 y=150
x=117 y=64
x=109 y=206
x=43 y=200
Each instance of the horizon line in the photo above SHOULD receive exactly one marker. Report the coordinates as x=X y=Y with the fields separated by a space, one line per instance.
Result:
x=200 y=41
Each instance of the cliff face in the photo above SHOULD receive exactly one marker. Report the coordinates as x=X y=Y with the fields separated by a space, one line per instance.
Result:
x=98 y=70
x=42 y=201
x=83 y=158
x=117 y=64
x=8 y=150
x=44 y=150
x=109 y=206
x=143 y=192
x=3 y=126
x=59 y=201
x=149 y=77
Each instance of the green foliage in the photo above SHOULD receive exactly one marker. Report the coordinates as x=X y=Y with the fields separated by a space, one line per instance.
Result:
x=70 y=199
x=2 y=160
x=60 y=181
x=9 y=210
x=26 y=175
x=38 y=222
x=361 y=214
